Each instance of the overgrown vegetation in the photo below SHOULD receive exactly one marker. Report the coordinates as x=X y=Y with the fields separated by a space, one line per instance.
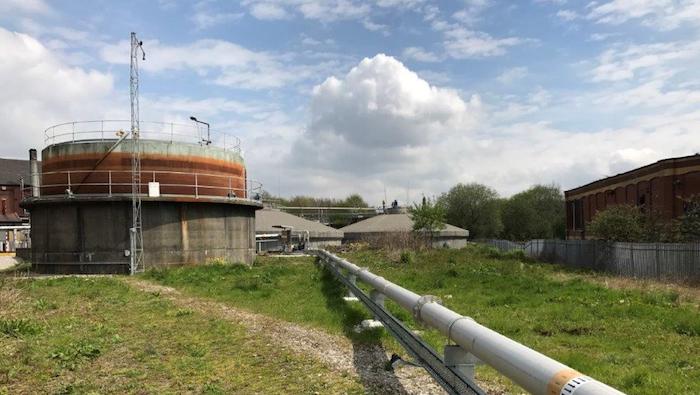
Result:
x=474 y=207
x=631 y=224
x=620 y=223
x=98 y=335
x=537 y=213
x=641 y=341
x=427 y=217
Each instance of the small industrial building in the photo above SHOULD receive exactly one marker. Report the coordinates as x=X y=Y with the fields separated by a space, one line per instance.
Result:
x=397 y=224
x=660 y=189
x=272 y=224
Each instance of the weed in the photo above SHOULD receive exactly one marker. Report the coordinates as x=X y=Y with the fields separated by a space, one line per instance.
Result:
x=688 y=326
x=183 y=312
x=71 y=355
x=407 y=258
x=18 y=327
x=217 y=261
x=42 y=305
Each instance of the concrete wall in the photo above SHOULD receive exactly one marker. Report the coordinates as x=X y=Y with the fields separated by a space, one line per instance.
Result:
x=403 y=239
x=92 y=236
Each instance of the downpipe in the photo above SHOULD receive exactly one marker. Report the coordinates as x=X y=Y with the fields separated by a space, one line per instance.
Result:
x=533 y=371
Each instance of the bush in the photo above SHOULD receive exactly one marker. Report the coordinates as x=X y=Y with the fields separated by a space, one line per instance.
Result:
x=689 y=223
x=428 y=216
x=407 y=257
x=619 y=223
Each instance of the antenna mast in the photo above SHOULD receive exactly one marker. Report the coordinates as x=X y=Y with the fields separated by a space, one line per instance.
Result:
x=136 y=234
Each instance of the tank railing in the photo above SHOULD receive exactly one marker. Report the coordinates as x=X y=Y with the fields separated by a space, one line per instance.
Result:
x=163 y=131
x=115 y=180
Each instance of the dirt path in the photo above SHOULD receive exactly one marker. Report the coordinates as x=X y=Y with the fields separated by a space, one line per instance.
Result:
x=338 y=353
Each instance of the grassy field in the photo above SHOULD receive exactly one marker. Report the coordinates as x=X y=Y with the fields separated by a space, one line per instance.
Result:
x=643 y=341
x=98 y=335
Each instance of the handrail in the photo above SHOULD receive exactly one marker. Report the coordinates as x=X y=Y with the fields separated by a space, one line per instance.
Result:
x=251 y=190
x=533 y=371
x=149 y=130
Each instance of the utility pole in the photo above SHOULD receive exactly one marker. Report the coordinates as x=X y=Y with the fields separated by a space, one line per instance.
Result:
x=136 y=234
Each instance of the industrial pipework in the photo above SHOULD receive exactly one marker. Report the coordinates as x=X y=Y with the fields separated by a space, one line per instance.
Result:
x=533 y=371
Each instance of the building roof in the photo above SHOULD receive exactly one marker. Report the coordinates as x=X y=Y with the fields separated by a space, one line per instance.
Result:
x=401 y=222
x=689 y=163
x=267 y=218
x=12 y=169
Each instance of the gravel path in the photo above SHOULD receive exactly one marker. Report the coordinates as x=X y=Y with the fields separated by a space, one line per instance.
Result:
x=365 y=362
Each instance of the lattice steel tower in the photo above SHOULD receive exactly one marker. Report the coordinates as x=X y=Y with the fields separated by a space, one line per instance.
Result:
x=137 y=264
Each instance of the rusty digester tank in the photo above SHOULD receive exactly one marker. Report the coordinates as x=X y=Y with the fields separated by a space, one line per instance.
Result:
x=197 y=201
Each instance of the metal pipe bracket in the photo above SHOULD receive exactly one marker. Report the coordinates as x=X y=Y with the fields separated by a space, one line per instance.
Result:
x=422 y=301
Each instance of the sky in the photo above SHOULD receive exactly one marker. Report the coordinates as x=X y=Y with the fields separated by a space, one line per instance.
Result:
x=395 y=98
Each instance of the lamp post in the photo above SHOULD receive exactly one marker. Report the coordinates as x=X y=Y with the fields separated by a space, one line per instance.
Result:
x=208 y=140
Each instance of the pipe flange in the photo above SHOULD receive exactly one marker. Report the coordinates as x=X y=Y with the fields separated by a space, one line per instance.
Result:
x=422 y=301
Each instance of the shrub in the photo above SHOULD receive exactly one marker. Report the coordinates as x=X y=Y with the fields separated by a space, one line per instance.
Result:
x=619 y=223
x=428 y=216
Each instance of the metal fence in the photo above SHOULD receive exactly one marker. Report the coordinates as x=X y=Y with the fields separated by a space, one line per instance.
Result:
x=660 y=261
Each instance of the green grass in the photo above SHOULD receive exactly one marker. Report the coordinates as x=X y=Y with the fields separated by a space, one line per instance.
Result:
x=643 y=342
x=98 y=335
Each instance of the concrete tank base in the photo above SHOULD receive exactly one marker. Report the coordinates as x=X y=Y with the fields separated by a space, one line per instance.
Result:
x=90 y=235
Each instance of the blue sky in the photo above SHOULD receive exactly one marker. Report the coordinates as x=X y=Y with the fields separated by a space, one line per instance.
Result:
x=340 y=96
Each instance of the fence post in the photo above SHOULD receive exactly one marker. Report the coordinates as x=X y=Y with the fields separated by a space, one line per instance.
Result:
x=634 y=272
x=658 y=263
x=109 y=182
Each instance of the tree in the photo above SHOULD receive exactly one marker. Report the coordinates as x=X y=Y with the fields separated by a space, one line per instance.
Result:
x=474 y=207
x=428 y=216
x=619 y=223
x=537 y=213
x=354 y=200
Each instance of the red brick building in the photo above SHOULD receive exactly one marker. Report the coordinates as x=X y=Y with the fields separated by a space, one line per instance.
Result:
x=660 y=188
x=14 y=173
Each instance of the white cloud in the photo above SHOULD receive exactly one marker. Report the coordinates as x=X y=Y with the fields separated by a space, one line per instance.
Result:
x=512 y=74
x=268 y=11
x=321 y=10
x=420 y=54
x=617 y=64
x=471 y=13
x=380 y=126
x=24 y=6
x=207 y=19
x=658 y=14
x=39 y=90
x=379 y=120
x=382 y=103
x=406 y=4
x=463 y=44
x=567 y=15
x=223 y=63
x=375 y=27
x=601 y=36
